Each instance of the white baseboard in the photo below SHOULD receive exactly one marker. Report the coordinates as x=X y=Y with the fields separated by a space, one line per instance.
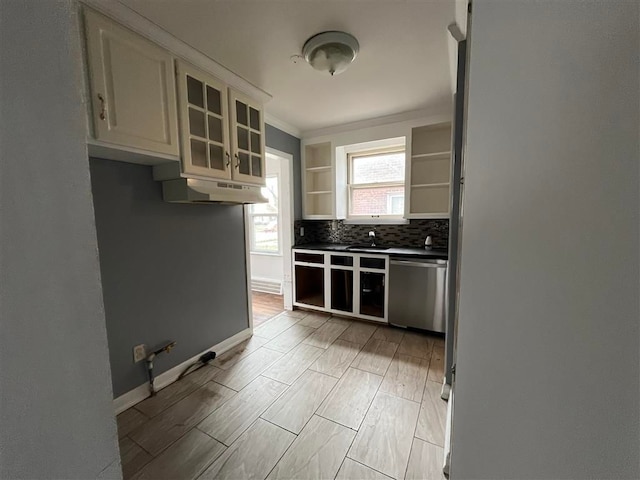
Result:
x=135 y=396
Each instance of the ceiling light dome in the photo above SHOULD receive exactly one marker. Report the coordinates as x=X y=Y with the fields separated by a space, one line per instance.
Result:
x=331 y=51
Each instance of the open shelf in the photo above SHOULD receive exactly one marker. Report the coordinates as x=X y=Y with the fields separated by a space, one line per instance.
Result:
x=427 y=156
x=318 y=203
x=430 y=199
x=430 y=185
x=318 y=155
x=432 y=139
x=319 y=169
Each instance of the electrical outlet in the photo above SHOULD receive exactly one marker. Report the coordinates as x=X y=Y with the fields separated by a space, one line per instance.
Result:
x=139 y=353
x=302 y=231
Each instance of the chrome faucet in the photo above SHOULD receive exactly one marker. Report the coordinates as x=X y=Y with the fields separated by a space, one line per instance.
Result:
x=372 y=236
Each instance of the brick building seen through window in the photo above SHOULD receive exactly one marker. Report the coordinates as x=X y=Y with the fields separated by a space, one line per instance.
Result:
x=376 y=183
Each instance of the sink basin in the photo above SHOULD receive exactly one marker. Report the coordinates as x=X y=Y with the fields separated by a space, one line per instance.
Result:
x=366 y=247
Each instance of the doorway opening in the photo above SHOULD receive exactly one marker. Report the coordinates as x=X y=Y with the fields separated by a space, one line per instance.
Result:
x=269 y=238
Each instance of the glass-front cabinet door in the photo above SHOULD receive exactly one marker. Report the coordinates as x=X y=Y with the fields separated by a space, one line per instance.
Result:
x=203 y=113
x=247 y=139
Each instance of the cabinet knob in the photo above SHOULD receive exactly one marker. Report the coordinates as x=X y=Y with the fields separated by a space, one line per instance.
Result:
x=102 y=115
x=228 y=159
x=237 y=160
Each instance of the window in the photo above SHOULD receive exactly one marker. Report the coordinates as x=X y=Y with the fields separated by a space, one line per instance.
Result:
x=376 y=183
x=264 y=221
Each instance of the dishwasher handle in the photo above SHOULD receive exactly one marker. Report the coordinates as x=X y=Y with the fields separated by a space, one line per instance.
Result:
x=424 y=264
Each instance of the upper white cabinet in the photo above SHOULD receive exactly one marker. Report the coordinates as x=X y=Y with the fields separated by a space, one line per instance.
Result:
x=318 y=181
x=247 y=138
x=428 y=172
x=221 y=130
x=204 y=121
x=133 y=100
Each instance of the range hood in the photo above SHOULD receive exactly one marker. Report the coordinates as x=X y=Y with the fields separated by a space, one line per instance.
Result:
x=191 y=190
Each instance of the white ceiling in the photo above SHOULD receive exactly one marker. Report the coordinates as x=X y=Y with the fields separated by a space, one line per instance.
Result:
x=403 y=63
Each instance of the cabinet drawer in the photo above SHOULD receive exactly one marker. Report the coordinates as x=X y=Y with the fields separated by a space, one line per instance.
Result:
x=376 y=263
x=342 y=260
x=309 y=258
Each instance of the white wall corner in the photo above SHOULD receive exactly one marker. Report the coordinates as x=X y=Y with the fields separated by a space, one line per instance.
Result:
x=282 y=125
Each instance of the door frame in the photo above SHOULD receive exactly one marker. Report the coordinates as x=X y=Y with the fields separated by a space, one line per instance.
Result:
x=286 y=233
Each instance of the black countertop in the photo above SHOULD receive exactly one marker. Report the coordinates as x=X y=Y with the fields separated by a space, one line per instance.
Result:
x=435 y=253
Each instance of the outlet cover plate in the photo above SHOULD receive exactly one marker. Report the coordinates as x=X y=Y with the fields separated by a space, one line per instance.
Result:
x=139 y=353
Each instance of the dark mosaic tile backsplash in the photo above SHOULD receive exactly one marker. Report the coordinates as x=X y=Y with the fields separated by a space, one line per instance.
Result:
x=410 y=235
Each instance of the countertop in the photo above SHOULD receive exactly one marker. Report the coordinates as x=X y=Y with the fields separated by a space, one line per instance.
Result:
x=409 y=252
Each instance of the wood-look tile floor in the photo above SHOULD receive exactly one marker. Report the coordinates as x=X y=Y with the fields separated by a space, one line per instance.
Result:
x=265 y=306
x=307 y=397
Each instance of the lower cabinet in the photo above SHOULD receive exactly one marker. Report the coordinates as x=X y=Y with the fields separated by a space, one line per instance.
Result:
x=348 y=284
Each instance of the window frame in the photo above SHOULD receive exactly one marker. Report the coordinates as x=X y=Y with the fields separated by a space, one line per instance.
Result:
x=252 y=214
x=362 y=186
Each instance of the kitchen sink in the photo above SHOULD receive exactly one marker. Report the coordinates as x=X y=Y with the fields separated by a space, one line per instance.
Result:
x=366 y=247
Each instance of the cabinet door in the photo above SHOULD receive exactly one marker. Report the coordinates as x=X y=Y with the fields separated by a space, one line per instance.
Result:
x=203 y=123
x=132 y=88
x=247 y=139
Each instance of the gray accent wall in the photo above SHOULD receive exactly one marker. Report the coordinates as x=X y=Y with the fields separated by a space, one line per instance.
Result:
x=56 y=411
x=287 y=143
x=169 y=271
x=547 y=381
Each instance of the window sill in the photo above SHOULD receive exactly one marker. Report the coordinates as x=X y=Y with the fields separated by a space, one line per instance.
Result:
x=266 y=254
x=375 y=221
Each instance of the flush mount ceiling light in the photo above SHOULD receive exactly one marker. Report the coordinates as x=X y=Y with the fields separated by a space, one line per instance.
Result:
x=331 y=51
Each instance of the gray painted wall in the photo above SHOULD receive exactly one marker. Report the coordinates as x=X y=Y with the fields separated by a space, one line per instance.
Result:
x=56 y=413
x=169 y=271
x=284 y=142
x=547 y=382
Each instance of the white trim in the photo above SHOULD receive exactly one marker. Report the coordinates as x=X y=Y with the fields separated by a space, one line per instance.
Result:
x=153 y=32
x=135 y=396
x=421 y=116
x=247 y=261
x=282 y=125
x=287 y=237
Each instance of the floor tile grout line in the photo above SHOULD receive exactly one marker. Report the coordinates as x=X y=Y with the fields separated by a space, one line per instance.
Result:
x=195 y=426
x=430 y=443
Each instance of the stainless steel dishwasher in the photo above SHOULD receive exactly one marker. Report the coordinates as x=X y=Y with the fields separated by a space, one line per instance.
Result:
x=417 y=293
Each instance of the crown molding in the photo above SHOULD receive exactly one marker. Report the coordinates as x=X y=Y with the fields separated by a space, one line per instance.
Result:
x=282 y=125
x=444 y=111
x=134 y=21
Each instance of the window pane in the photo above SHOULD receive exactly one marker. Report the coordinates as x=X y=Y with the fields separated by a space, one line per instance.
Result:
x=265 y=233
x=382 y=167
x=377 y=201
x=270 y=191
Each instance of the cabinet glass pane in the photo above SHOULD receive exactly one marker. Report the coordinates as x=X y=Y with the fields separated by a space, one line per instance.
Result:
x=310 y=285
x=256 y=166
x=216 y=157
x=372 y=294
x=198 y=153
x=254 y=118
x=195 y=94
x=241 y=113
x=243 y=138
x=196 y=123
x=214 y=103
x=255 y=142
x=342 y=290
x=243 y=167
x=215 y=128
